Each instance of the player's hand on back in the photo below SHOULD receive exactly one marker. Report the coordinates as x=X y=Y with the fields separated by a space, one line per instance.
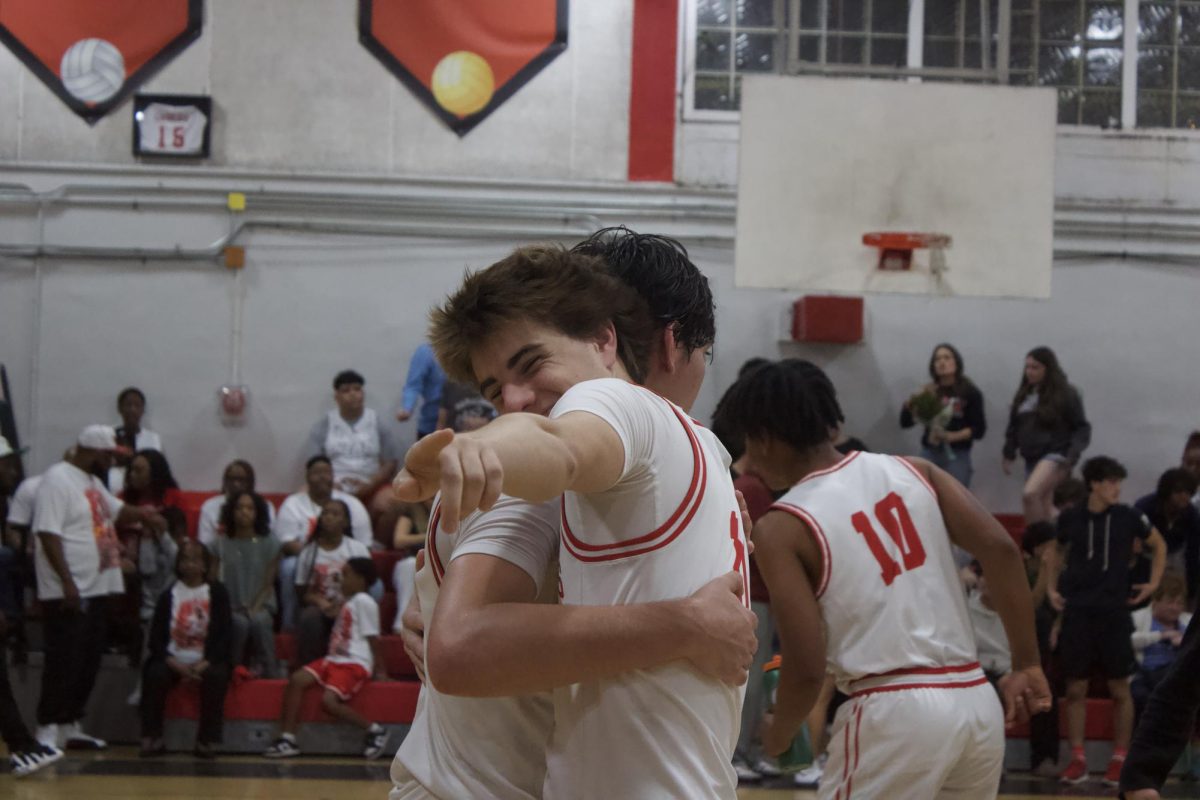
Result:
x=1026 y=692
x=466 y=471
x=724 y=644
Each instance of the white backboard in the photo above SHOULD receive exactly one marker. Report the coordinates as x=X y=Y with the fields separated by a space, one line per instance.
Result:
x=824 y=160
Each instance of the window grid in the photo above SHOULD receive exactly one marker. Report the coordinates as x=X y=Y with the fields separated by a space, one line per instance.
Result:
x=1073 y=46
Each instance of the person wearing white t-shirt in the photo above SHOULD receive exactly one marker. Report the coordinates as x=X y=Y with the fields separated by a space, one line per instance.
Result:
x=77 y=563
x=649 y=514
x=238 y=477
x=354 y=656
x=319 y=576
x=189 y=641
x=131 y=405
x=296 y=523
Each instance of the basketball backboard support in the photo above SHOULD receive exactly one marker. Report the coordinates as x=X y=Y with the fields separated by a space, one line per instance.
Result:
x=824 y=161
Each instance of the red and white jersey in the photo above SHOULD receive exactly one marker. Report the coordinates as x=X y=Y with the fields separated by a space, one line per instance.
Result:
x=894 y=610
x=491 y=747
x=668 y=526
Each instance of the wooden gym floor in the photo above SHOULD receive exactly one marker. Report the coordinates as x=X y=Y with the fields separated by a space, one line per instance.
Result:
x=119 y=774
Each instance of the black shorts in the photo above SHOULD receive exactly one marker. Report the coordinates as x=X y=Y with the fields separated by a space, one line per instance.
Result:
x=1096 y=638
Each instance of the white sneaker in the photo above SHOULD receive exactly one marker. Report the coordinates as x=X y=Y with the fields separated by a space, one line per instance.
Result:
x=767 y=768
x=28 y=762
x=809 y=778
x=744 y=771
x=71 y=735
x=47 y=735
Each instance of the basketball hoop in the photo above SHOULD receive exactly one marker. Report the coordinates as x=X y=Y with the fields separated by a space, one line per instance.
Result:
x=896 y=249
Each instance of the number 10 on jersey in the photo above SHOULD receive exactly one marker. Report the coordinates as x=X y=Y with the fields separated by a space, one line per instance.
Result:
x=893 y=516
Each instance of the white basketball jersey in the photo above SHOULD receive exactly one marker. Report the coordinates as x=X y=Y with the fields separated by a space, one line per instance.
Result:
x=668 y=526
x=492 y=747
x=890 y=595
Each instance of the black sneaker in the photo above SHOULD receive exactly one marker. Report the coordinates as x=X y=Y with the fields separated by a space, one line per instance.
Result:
x=27 y=762
x=375 y=743
x=283 y=748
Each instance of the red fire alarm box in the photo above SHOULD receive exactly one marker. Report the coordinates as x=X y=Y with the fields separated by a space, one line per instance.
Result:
x=824 y=318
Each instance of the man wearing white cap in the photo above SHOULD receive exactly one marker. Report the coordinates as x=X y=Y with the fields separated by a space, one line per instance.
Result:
x=78 y=565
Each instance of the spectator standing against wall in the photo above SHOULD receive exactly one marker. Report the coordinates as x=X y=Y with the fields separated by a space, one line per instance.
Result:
x=131 y=405
x=423 y=383
x=1170 y=510
x=1048 y=428
x=1096 y=542
x=361 y=449
x=78 y=566
x=950 y=407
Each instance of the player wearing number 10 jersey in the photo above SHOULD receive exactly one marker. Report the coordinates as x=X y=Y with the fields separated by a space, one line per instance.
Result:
x=859 y=546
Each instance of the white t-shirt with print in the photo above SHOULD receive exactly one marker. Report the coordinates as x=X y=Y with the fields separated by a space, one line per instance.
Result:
x=356 y=622
x=481 y=746
x=667 y=526
x=191 y=610
x=20 y=508
x=297 y=518
x=209 y=527
x=76 y=507
x=325 y=568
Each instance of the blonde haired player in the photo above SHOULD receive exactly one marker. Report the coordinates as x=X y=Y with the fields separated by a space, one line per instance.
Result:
x=858 y=560
x=479 y=644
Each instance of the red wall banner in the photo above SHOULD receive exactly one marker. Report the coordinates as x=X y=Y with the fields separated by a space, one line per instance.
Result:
x=95 y=54
x=464 y=58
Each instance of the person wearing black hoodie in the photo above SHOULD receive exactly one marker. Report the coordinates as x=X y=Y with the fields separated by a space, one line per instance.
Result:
x=1093 y=594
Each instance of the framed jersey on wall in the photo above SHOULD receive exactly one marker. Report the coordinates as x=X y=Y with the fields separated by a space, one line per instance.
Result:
x=175 y=126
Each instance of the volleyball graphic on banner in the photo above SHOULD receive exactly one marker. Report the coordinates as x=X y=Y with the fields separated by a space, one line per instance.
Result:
x=92 y=70
x=463 y=83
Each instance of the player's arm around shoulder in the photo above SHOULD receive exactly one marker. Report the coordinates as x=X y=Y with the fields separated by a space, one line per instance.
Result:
x=791 y=565
x=475 y=634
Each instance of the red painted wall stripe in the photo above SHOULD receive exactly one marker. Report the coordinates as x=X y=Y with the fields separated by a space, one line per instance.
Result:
x=652 y=90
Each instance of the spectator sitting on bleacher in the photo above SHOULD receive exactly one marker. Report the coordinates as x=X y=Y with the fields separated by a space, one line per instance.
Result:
x=1096 y=542
x=297 y=521
x=189 y=640
x=1157 y=634
x=246 y=560
x=354 y=654
x=156 y=562
x=408 y=537
x=238 y=477
x=362 y=450
x=149 y=484
x=991 y=642
x=318 y=579
x=1171 y=511
x=1038 y=549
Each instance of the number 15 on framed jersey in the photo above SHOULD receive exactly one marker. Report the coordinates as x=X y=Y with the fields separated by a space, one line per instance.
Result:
x=177 y=126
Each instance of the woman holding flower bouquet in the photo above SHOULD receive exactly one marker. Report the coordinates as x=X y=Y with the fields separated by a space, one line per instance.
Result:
x=951 y=409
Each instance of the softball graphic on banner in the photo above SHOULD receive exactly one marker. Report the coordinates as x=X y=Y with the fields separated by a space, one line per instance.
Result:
x=95 y=54
x=463 y=59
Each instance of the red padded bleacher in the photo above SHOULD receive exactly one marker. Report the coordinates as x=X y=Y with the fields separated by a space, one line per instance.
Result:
x=1099 y=721
x=386 y=701
x=398 y=663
